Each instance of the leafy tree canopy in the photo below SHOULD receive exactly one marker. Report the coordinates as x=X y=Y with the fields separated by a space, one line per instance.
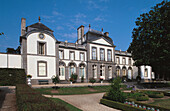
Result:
x=151 y=39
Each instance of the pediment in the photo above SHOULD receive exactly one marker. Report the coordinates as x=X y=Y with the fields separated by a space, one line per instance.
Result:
x=101 y=41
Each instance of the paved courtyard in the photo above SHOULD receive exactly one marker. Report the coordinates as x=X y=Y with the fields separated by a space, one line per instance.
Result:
x=86 y=102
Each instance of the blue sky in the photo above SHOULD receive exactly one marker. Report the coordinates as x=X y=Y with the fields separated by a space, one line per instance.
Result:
x=64 y=17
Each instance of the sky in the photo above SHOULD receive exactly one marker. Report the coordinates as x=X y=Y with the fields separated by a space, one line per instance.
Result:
x=64 y=17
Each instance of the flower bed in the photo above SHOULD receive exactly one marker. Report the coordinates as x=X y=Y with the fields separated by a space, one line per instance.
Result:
x=30 y=100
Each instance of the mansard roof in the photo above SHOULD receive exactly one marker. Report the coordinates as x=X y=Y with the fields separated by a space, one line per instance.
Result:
x=40 y=26
x=94 y=35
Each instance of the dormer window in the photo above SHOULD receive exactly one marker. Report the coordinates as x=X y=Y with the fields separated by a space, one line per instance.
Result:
x=41 y=48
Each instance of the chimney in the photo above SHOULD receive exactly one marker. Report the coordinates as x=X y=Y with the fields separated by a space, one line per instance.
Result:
x=106 y=34
x=80 y=32
x=23 y=26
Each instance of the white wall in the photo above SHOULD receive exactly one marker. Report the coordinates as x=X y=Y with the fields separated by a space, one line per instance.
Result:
x=143 y=72
x=102 y=41
x=98 y=51
x=32 y=66
x=10 y=61
x=32 y=40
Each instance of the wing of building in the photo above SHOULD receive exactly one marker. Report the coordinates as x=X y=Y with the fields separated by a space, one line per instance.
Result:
x=93 y=55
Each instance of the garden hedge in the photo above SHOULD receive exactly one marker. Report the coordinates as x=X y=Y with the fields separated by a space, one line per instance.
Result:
x=154 y=106
x=11 y=76
x=30 y=100
x=119 y=105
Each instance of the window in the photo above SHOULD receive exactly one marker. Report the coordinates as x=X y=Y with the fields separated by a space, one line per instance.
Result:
x=94 y=53
x=118 y=71
x=94 y=71
x=109 y=55
x=102 y=70
x=102 y=54
x=117 y=60
x=124 y=72
x=82 y=56
x=61 y=70
x=82 y=71
x=41 y=48
x=110 y=71
x=72 y=69
x=71 y=55
x=130 y=61
x=123 y=61
x=42 y=69
x=146 y=72
x=61 y=54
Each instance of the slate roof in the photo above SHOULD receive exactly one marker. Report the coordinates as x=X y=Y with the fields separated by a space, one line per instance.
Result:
x=40 y=26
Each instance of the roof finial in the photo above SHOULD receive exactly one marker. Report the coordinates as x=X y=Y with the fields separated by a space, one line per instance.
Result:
x=39 y=18
x=89 y=26
x=102 y=29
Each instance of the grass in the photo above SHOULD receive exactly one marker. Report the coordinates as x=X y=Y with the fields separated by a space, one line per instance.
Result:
x=74 y=90
x=67 y=105
x=162 y=103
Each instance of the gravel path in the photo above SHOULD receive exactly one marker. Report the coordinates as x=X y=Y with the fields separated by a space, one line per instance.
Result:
x=86 y=102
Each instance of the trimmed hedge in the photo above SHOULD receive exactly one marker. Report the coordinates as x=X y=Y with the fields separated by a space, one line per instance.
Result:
x=149 y=105
x=29 y=99
x=161 y=95
x=11 y=77
x=142 y=98
x=119 y=105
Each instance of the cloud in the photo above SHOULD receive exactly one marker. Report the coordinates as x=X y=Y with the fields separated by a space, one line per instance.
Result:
x=56 y=13
x=79 y=19
x=59 y=28
x=70 y=35
x=47 y=16
x=100 y=18
x=91 y=4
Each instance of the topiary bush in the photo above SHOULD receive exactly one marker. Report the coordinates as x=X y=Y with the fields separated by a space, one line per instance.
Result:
x=115 y=93
x=74 y=78
x=55 y=79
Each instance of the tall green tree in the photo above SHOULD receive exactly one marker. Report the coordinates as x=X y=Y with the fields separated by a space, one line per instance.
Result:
x=151 y=40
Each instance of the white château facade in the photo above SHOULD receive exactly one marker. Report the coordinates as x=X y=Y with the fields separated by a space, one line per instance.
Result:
x=93 y=55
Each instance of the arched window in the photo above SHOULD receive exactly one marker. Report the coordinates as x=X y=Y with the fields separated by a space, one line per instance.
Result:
x=62 y=71
x=102 y=70
x=146 y=72
x=118 y=71
x=130 y=73
x=110 y=71
x=124 y=71
x=72 y=69
x=82 y=70
x=94 y=71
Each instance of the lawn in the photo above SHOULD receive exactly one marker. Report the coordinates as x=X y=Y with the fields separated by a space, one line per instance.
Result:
x=162 y=103
x=67 y=105
x=73 y=90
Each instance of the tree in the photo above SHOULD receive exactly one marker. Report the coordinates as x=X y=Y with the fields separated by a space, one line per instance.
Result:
x=151 y=40
x=115 y=93
x=55 y=80
x=1 y=33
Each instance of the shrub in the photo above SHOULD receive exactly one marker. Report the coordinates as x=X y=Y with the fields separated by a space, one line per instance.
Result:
x=11 y=77
x=82 y=79
x=92 y=80
x=115 y=93
x=142 y=98
x=55 y=79
x=119 y=105
x=73 y=78
x=29 y=76
x=154 y=94
x=30 y=100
